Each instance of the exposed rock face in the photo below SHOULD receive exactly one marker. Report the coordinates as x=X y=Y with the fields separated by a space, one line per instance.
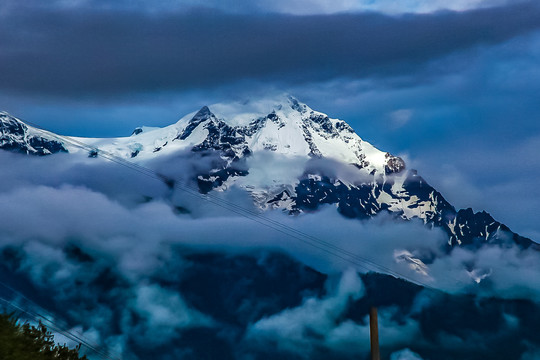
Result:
x=394 y=164
x=18 y=137
x=415 y=198
x=282 y=129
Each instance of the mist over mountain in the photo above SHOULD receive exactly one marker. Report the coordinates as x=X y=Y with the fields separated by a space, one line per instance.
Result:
x=151 y=244
x=285 y=156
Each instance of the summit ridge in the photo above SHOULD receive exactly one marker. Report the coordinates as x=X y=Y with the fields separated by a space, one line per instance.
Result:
x=286 y=156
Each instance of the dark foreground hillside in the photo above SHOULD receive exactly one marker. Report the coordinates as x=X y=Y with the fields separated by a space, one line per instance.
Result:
x=267 y=306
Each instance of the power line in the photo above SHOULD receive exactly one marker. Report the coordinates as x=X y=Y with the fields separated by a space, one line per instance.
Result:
x=313 y=241
x=325 y=246
x=38 y=316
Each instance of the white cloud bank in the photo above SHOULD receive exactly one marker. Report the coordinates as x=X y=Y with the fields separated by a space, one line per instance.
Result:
x=320 y=323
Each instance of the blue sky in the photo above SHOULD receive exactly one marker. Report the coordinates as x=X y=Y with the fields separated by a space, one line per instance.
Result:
x=452 y=88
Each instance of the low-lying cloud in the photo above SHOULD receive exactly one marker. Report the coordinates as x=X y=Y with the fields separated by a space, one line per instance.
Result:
x=320 y=322
x=118 y=259
x=101 y=221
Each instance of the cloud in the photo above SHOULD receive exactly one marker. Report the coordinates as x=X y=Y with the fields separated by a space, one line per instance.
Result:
x=502 y=183
x=321 y=323
x=166 y=314
x=405 y=354
x=291 y=328
x=122 y=260
x=105 y=54
x=300 y=7
x=48 y=213
x=400 y=118
x=505 y=273
x=532 y=353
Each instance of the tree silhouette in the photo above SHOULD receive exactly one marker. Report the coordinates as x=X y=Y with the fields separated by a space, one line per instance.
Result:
x=26 y=342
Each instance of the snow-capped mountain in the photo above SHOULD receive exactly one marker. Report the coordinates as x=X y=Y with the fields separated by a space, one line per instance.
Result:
x=286 y=156
x=283 y=126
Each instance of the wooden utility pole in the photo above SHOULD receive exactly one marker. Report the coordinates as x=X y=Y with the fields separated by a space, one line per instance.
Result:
x=374 y=334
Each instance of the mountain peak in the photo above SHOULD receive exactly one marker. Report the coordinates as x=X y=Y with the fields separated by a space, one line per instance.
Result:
x=204 y=112
x=296 y=105
x=286 y=156
x=242 y=112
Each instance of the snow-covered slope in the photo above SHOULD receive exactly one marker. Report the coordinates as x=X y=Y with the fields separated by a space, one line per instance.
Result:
x=281 y=125
x=286 y=156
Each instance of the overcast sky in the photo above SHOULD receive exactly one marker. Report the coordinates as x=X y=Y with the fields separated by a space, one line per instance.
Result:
x=452 y=87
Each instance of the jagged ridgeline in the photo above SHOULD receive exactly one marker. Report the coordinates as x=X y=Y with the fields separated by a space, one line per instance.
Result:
x=330 y=164
x=18 y=137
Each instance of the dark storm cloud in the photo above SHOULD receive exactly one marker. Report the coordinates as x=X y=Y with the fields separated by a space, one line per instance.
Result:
x=75 y=52
x=298 y=7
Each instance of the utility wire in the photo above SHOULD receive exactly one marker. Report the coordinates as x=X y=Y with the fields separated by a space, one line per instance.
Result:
x=325 y=246
x=250 y=214
x=322 y=245
x=38 y=316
